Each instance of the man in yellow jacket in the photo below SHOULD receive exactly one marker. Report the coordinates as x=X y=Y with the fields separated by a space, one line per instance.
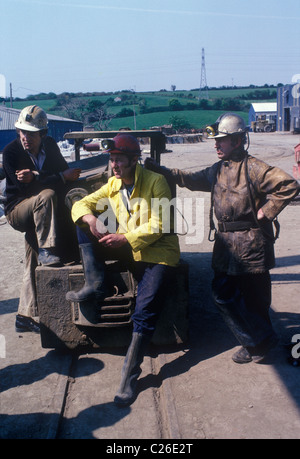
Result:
x=133 y=206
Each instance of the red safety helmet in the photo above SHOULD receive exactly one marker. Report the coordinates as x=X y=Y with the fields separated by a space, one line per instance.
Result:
x=122 y=143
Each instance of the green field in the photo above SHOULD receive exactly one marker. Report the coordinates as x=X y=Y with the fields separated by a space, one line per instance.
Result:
x=196 y=118
x=44 y=104
x=157 y=103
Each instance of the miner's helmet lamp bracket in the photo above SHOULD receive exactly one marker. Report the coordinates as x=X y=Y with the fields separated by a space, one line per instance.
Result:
x=212 y=130
x=108 y=144
x=125 y=143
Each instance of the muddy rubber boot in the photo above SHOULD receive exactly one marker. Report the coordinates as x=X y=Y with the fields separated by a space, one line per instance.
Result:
x=93 y=288
x=131 y=370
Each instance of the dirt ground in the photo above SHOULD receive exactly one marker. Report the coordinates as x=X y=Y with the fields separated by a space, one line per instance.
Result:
x=209 y=395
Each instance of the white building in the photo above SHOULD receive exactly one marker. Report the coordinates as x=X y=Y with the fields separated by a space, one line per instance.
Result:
x=263 y=111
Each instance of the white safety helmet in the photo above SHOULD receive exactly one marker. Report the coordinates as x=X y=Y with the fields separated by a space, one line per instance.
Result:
x=32 y=118
x=227 y=124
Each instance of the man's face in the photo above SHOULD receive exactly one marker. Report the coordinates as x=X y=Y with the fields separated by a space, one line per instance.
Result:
x=225 y=146
x=31 y=141
x=123 y=167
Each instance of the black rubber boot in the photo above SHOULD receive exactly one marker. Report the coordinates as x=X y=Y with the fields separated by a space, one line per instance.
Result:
x=93 y=275
x=126 y=393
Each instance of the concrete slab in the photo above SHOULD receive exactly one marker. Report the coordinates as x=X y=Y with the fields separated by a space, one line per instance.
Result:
x=191 y=392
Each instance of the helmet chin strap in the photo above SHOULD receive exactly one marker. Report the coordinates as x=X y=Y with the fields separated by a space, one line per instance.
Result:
x=248 y=141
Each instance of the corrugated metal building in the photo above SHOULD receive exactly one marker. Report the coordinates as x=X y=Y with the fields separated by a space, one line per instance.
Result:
x=57 y=125
x=288 y=108
x=262 y=111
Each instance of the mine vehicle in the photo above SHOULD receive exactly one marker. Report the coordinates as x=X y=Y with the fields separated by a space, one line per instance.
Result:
x=263 y=125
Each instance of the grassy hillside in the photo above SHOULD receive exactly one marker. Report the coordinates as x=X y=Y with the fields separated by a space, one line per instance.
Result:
x=196 y=118
x=153 y=108
x=46 y=105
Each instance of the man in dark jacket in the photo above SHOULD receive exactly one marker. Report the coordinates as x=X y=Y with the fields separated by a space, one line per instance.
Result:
x=36 y=174
x=246 y=196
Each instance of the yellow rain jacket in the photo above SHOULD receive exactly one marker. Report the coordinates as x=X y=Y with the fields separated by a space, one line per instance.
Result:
x=145 y=217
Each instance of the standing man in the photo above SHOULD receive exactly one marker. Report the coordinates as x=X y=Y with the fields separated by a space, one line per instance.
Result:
x=246 y=194
x=149 y=252
x=36 y=174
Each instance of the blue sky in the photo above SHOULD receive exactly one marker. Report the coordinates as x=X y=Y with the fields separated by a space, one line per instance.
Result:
x=110 y=45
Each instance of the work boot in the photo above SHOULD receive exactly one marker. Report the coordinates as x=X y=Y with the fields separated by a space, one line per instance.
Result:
x=260 y=352
x=26 y=324
x=256 y=354
x=242 y=356
x=46 y=257
x=131 y=370
x=93 y=276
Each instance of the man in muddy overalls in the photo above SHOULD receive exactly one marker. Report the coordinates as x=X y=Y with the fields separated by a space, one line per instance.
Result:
x=246 y=196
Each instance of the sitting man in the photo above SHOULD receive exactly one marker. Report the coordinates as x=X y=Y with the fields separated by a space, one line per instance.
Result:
x=36 y=173
x=150 y=253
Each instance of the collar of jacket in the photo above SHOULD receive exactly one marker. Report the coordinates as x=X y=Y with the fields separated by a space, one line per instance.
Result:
x=237 y=155
x=117 y=185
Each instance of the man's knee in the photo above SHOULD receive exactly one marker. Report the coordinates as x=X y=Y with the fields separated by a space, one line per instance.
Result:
x=47 y=195
x=45 y=199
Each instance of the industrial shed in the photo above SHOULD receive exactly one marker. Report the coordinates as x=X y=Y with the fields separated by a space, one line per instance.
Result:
x=264 y=111
x=57 y=125
x=288 y=102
